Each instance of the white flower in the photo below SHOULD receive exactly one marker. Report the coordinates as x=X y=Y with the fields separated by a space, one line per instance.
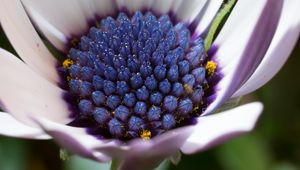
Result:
x=252 y=46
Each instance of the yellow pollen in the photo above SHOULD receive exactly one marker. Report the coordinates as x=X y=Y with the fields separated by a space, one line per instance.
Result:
x=146 y=134
x=195 y=108
x=67 y=63
x=211 y=67
x=188 y=89
x=180 y=119
x=69 y=78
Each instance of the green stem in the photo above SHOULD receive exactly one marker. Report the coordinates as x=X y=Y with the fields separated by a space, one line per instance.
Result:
x=115 y=164
x=217 y=22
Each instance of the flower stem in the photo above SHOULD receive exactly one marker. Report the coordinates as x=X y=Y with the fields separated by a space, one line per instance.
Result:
x=115 y=164
x=217 y=22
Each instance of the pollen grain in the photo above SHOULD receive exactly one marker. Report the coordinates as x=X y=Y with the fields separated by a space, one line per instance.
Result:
x=67 y=63
x=211 y=67
x=146 y=134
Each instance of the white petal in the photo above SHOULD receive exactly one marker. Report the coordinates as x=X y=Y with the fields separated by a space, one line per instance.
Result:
x=9 y=126
x=162 y=7
x=25 y=39
x=189 y=10
x=55 y=36
x=104 y=7
x=165 y=7
x=241 y=50
x=281 y=47
x=134 y=5
x=66 y=16
x=215 y=129
x=238 y=29
x=24 y=93
x=176 y=5
x=148 y=154
x=76 y=140
x=59 y=30
x=88 y=8
x=207 y=15
x=163 y=145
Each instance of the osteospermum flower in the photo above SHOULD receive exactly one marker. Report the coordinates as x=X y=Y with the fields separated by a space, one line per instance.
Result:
x=134 y=80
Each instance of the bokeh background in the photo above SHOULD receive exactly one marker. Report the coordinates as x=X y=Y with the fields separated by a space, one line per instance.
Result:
x=273 y=145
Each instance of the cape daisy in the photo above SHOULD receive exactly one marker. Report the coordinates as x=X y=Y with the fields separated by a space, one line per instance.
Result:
x=137 y=80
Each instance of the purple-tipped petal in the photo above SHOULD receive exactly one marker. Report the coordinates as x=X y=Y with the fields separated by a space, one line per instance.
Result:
x=26 y=40
x=148 y=154
x=209 y=131
x=24 y=93
x=250 y=38
x=281 y=47
x=9 y=126
x=76 y=140
x=215 y=129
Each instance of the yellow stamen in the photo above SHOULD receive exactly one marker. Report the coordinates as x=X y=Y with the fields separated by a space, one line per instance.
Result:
x=188 y=89
x=211 y=67
x=67 y=63
x=146 y=134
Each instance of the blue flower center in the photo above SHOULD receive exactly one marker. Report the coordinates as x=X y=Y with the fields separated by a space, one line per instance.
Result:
x=136 y=77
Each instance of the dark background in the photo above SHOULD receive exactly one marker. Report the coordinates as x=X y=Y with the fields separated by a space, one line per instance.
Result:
x=273 y=145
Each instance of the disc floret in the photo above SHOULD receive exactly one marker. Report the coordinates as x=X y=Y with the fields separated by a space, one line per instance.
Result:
x=136 y=77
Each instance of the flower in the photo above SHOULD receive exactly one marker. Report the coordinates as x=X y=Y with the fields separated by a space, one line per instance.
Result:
x=253 y=44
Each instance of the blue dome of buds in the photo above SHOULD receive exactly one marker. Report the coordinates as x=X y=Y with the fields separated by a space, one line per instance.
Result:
x=136 y=77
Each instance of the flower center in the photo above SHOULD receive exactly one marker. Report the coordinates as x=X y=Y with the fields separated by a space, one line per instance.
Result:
x=137 y=77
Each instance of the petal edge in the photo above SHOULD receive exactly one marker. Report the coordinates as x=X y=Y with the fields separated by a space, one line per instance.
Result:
x=215 y=129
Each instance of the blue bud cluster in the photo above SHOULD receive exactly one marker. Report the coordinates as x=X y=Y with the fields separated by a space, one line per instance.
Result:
x=138 y=73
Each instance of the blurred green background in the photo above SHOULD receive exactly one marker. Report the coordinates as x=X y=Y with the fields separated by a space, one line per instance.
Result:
x=273 y=145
